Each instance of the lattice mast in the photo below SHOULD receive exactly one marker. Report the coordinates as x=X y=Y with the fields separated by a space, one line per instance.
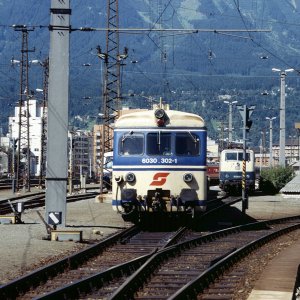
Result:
x=111 y=85
x=111 y=93
x=23 y=153
x=45 y=65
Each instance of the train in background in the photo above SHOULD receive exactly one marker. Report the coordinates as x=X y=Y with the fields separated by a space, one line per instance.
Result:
x=159 y=164
x=230 y=171
x=213 y=169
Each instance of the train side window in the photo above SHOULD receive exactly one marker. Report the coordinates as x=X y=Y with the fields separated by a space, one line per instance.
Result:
x=159 y=143
x=132 y=144
x=187 y=143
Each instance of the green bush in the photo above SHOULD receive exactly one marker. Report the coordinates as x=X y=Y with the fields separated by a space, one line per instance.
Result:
x=274 y=179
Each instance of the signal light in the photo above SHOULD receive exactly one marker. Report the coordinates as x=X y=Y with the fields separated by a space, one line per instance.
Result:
x=248 y=121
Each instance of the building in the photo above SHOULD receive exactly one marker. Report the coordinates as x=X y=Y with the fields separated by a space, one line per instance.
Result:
x=97 y=147
x=35 y=132
x=212 y=150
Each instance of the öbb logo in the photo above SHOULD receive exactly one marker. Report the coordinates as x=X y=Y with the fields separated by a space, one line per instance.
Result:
x=159 y=179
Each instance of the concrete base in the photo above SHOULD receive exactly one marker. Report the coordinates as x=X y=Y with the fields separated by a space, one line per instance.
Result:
x=62 y=235
x=8 y=220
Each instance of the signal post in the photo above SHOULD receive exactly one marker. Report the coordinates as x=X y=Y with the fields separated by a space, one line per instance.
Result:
x=247 y=122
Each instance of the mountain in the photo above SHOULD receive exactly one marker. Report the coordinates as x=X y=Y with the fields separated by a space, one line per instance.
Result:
x=189 y=70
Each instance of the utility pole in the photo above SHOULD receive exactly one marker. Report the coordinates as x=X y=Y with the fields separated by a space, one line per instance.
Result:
x=271 y=140
x=45 y=65
x=230 y=103
x=297 y=127
x=221 y=136
x=58 y=91
x=112 y=87
x=71 y=142
x=282 y=115
x=24 y=115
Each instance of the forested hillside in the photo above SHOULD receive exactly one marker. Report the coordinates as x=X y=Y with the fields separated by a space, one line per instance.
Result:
x=190 y=70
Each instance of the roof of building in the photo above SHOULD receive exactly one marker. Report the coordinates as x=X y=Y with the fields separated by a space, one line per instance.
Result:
x=292 y=187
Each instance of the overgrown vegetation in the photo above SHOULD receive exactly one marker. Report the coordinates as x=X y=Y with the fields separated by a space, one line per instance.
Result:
x=274 y=179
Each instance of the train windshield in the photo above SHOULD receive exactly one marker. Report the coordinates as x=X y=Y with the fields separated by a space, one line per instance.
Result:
x=187 y=143
x=236 y=156
x=159 y=143
x=131 y=144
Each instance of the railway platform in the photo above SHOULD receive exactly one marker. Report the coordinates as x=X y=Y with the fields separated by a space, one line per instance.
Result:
x=277 y=282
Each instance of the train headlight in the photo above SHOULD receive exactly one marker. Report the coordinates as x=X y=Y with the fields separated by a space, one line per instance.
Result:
x=119 y=179
x=159 y=113
x=187 y=177
x=130 y=177
x=160 y=116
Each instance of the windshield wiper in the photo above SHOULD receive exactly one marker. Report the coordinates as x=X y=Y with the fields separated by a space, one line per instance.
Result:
x=126 y=135
x=194 y=138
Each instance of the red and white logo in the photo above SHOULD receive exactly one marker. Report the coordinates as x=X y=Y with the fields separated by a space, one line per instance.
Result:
x=159 y=179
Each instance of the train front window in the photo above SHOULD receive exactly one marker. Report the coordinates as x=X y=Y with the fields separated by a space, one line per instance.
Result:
x=236 y=156
x=231 y=156
x=131 y=144
x=159 y=143
x=187 y=143
x=241 y=156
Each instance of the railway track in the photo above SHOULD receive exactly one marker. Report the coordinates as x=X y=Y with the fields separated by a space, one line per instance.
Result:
x=181 y=265
x=136 y=264
x=35 y=200
x=112 y=258
x=186 y=270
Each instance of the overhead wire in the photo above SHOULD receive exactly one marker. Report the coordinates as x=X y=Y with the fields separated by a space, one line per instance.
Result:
x=259 y=44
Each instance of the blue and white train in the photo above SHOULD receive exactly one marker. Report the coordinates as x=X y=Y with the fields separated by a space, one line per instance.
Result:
x=231 y=167
x=159 y=164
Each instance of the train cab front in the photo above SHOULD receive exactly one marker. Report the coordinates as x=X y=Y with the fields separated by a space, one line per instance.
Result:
x=142 y=194
x=159 y=165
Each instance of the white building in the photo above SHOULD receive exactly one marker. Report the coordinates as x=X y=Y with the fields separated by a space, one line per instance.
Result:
x=35 y=131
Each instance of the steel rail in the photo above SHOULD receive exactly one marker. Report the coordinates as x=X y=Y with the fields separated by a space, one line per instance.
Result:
x=86 y=285
x=195 y=287
x=38 y=200
x=21 y=285
x=137 y=279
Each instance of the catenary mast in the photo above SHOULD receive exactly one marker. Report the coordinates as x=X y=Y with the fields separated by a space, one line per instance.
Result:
x=111 y=84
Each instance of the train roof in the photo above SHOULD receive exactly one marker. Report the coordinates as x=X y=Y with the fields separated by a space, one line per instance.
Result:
x=147 y=119
x=236 y=150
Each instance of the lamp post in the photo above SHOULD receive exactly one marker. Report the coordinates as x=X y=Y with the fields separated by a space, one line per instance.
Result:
x=292 y=147
x=271 y=140
x=230 y=103
x=282 y=115
x=298 y=134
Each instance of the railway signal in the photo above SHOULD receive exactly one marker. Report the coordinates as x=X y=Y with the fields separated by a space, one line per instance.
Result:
x=246 y=113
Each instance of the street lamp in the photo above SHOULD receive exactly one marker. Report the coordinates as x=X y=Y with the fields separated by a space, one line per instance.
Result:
x=271 y=140
x=230 y=103
x=282 y=115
